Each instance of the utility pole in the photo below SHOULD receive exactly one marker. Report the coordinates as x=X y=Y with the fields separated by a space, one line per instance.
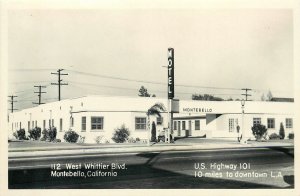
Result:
x=246 y=93
x=39 y=94
x=12 y=103
x=59 y=81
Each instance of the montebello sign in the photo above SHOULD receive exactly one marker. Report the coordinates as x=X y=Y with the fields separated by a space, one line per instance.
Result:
x=197 y=110
x=170 y=73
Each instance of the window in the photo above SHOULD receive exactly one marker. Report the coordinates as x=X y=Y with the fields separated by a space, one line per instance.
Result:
x=49 y=123
x=175 y=125
x=197 y=124
x=256 y=121
x=35 y=123
x=159 y=120
x=52 y=122
x=32 y=124
x=60 y=124
x=83 y=123
x=271 y=123
x=183 y=125
x=96 y=123
x=20 y=125
x=140 y=123
x=28 y=126
x=289 y=123
x=231 y=124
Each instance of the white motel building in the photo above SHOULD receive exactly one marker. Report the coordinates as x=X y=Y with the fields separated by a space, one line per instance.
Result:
x=93 y=116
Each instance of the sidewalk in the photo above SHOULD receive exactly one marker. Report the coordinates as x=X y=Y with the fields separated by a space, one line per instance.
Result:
x=107 y=149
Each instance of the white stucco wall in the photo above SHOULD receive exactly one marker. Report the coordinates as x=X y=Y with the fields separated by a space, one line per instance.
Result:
x=123 y=110
x=115 y=111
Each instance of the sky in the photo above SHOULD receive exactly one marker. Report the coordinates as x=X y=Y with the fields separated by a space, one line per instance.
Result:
x=116 y=51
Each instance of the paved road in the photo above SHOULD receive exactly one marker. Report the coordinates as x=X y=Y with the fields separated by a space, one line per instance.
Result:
x=262 y=168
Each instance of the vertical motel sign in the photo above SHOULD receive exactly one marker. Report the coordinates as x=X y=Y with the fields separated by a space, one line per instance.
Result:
x=170 y=73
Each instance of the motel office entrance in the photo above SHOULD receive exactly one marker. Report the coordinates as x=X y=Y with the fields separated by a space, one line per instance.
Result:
x=184 y=128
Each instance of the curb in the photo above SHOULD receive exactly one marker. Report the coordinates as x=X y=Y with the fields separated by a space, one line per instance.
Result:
x=131 y=150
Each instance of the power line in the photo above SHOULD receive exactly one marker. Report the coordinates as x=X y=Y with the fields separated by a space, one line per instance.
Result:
x=49 y=99
x=31 y=69
x=126 y=79
x=28 y=97
x=39 y=94
x=12 y=103
x=149 y=82
x=133 y=89
x=246 y=93
x=29 y=82
x=22 y=91
x=59 y=81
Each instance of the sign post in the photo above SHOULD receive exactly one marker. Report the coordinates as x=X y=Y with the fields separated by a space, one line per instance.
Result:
x=170 y=89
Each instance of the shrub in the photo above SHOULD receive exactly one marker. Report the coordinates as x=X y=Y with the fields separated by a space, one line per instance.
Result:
x=49 y=134
x=98 y=139
x=71 y=136
x=153 y=132
x=259 y=131
x=137 y=139
x=20 y=134
x=35 y=133
x=281 y=131
x=45 y=135
x=161 y=138
x=52 y=134
x=274 y=136
x=291 y=136
x=121 y=134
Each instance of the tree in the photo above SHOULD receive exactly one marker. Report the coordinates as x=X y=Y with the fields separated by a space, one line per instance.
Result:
x=281 y=131
x=153 y=132
x=154 y=110
x=269 y=96
x=206 y=97
x=263 y=98
x=143 y=92
x=259 y=131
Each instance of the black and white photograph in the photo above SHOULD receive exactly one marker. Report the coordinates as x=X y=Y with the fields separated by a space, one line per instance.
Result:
x=132 y=96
